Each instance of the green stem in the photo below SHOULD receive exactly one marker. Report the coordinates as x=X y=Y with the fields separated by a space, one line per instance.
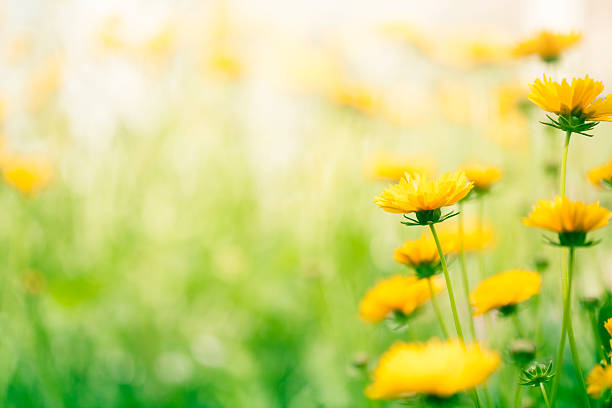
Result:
x=517 y=394
x=561 y=347
x=544 y=395
x=480 y=226
x=517 y=324
x=449 y=285
x=596 y=340
x=568 y=135
x=464 y=276
x=570 y=330
x=434 y=303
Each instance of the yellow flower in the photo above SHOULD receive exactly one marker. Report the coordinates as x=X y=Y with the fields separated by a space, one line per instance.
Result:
x=391 y=166
x=505 y=289
x=416 y=193
x=422 y=251
x=406 y=34
x=562 y=215
x=577 y=99
x=396 y=294
x=598 y=380
x=29 y=174
x=434 y=368
x=475 y=237
x=482 y=175
x=601 y=175
x=547 y=45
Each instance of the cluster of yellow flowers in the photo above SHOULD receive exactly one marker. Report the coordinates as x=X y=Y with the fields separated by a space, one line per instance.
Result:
x=445 y=368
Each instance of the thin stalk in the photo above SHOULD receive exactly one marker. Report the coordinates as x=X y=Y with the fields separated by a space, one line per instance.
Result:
x=570 y=330
x=449 y=285
x=568 y=135
x=480 y=220
x=517 y=324
x=544 y=395
x=517 y=394
x=561 y=347
x=434 y=303
x=464 y=276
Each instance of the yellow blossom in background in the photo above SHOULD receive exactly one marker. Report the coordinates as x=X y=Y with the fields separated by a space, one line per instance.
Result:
x=505 y=289
x=472 y=52
x=563 y=215
x=354 y=94
x=28 y=174
x=598 y=380
x=392 y=166
x=422 y=251
x=405 y=33
x=482 y=175
x=601 y=175
x=224 y=63
x=433 y=368
x=455 y=102
x=418 y=193
x=476 y=237
x=547 y=45
x=608 y=327
x=109 y=34
x=396 y=294
x=578 y=98
x=44 y=82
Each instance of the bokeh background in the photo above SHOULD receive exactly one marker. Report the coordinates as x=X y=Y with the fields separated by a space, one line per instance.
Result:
x=198 y=225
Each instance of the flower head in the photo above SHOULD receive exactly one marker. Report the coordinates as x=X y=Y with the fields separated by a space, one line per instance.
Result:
x=422 y=254
x=599 y=380
x=476 y=236
x=547 y=45
x=570 y=219
x=28 y=174
x=505 y=289
x=390 y=166
x=483 y=176
x=576 y=105
x=397 y=294
x=434 y=368
x=417 y=193
x=601 y=175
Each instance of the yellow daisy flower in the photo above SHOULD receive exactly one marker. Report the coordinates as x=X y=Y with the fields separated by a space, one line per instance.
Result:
x=601 y=175
x=547 y=45
x=396 y=294
x=28 y=174
x=433 y=368
x=391 y=166
x=574 y=104
x=417 y=193
x=570 y=219
x=598 y=380
x=482 y=175
x=505 y=289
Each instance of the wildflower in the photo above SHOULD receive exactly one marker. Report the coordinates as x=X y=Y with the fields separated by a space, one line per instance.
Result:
x=391 y=166
x=547 y=45
x=483 y=176
x=599 y=380
x=601 y=175
x=608 y=327
x=29 y=174
x=576 y=105
x=569 y=219
x=434 y=368
x=403 y=294
x=505 y=290
x=537 y=374
x=422 y=255
x=424 y=197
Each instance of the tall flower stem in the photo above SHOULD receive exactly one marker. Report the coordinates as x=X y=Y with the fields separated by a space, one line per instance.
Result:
x=449 y=285
x=517 y=393
x=464 y=276
x=544 y=395
x=596 y=339
x=568 y=135
x=436 y=308
x=570 y=330
x=481 y=260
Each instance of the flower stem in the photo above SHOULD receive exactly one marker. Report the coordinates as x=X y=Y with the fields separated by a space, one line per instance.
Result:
x=464 y=276
x=544 y=395
x=481 y=260
x=449 y=285
x=568 y=135
x=570 y=330
x=600 y=355
x=561 y=347
x=434 y=303
x=517 y=394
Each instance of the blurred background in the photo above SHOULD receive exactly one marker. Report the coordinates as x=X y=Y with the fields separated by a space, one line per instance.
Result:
x=187 y=213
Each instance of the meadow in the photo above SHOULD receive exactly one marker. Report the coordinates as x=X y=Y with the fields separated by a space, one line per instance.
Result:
x=190 y=213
